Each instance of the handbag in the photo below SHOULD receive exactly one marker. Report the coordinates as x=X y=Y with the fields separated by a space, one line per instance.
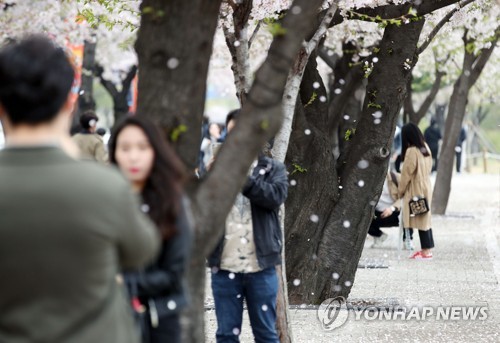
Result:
x=418 y=205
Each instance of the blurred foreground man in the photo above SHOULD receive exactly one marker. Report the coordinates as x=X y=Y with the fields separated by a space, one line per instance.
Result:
x=67 y=228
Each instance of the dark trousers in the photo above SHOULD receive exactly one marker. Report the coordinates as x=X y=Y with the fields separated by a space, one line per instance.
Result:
x=459 y=161
x=379 y=222
x=168 y=330
x=434 y=153
x=426 y=238
x=259 y=290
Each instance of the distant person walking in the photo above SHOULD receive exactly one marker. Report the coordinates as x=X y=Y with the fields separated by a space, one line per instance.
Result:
x=432 y=137
x=143 y=155
x=415 y=184
x=459 y=148
x=89 y=142
x=67 y=227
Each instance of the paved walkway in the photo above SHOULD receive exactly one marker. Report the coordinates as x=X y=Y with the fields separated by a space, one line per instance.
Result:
x=465 y=271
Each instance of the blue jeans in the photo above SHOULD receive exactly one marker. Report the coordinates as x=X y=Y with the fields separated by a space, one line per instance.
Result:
x=260 y=291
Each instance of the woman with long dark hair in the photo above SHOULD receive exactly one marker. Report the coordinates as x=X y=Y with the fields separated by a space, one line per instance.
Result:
x=415 y=186
x=139 y=149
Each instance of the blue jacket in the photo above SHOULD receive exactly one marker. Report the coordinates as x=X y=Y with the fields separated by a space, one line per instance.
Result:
x=267 y=192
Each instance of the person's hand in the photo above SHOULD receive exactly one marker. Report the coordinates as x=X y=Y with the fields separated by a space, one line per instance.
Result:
x=387 y=213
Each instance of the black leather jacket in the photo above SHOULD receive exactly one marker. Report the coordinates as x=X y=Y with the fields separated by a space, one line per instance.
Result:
x=266 y=192
x=164 y=281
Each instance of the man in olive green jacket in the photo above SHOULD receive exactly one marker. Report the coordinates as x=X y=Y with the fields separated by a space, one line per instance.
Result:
x=67 y=228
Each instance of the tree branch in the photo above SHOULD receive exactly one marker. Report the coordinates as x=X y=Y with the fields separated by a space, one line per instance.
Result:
x=396 y=11
x=254 y=34
x=440 y=25
x=483 y=57
x=430 y=97
x=128 y=79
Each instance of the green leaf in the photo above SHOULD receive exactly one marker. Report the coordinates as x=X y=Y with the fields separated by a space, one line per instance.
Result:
x=176 y=132
x=311 y=100
x=276 y=29
x=298 y=169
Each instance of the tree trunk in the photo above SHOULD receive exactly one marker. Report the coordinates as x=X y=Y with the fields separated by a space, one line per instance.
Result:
x=86 y=92
x=326 y=225
x=349 y=81
x=238 y=43
x=120 y=97
x=172 y=73
x=472 y=67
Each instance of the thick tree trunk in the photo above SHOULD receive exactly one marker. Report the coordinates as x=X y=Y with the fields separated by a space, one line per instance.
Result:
x=348 y=81
x=472 y=67
x=328 y=225
x=172 y=72
x=454 y=119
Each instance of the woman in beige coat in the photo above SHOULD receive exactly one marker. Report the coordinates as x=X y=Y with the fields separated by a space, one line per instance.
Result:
x=415 y=182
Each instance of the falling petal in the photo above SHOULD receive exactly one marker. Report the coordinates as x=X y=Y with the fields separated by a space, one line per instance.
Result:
x=363 y=164
x=172 y=63
x=296 y=10
x=171 y=305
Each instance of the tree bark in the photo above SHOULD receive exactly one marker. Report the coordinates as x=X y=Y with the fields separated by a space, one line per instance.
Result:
x=331 y=243
x=472 y=67
x=172 y=72
x=238 y=43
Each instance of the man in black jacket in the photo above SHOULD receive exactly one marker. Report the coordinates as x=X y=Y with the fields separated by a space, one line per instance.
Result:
x=432 y=137
x=243 y=263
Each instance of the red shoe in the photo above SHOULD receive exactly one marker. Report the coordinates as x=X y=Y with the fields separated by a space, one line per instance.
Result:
x=419 y=255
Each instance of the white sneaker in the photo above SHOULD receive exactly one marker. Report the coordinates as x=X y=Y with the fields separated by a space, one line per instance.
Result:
x=377 y=241
x=408 y=245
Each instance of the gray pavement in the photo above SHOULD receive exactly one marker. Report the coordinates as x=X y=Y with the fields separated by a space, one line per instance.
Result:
x=465 y=271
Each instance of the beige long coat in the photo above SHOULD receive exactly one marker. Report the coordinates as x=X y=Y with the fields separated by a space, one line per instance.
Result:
x=91 y=147
x=415 y=181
